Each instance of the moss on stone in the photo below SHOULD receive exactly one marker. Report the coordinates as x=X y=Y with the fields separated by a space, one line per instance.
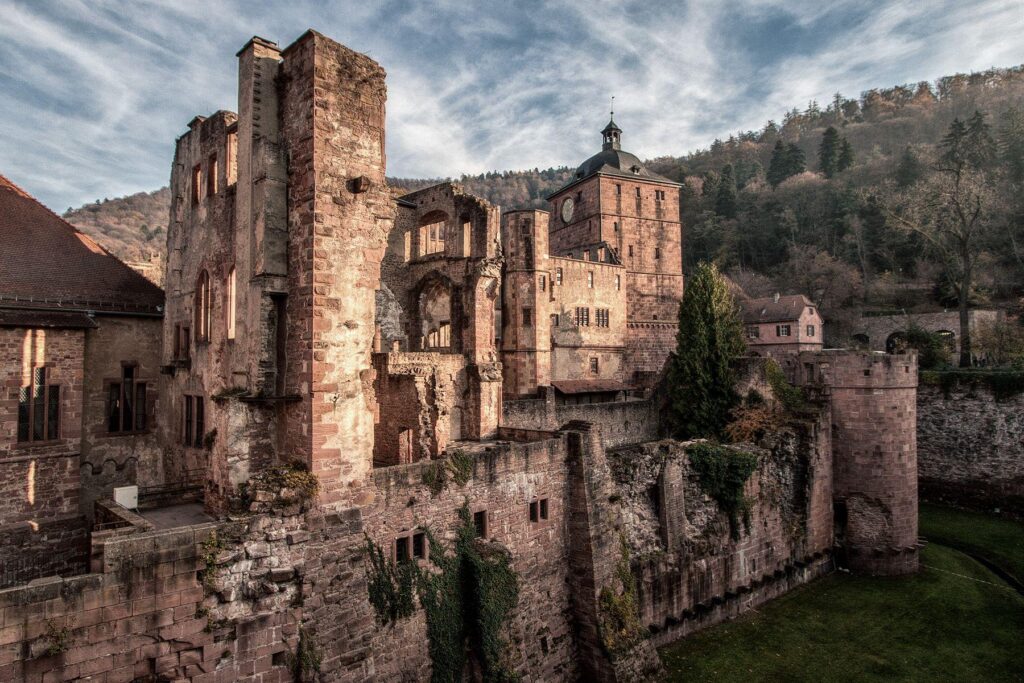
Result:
x=723 y=475
x=619 y=615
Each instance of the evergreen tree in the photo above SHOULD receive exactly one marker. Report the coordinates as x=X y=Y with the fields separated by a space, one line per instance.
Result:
x=910 y=169
x=845 y=160
x=701 y=375
x=828 y=152
x=953 y=157
x=725 y=199
x=777 y=165
x=981 y=148
x=795 y=162
x=1011 y=143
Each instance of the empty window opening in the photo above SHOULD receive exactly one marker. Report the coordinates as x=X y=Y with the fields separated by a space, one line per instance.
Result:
x=480 y=523
x=593 y=366
x=657 y=253
x=539 y=510
x=202 y=307
x=590 y=279
x=39 y=408
x=211 y=176
x=230 y=309
x=193 y=422
x=618 y=282
x=280 y=302
x=527 y=317
x=402 y=550
x=126 y=405
x=419 y=545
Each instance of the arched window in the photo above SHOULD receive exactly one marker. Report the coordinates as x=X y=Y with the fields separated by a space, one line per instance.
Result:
x=202 y=307
x=229 y=306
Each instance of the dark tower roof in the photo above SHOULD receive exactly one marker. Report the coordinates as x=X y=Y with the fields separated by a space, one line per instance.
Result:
x=613 y=160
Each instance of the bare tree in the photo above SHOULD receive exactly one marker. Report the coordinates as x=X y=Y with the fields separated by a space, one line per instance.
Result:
x=952 y=211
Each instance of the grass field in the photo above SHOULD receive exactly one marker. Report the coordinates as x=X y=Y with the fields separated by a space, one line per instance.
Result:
x=954 y=621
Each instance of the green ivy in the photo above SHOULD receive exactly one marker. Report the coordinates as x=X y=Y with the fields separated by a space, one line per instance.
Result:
x=390 y=585
x=457 y=466
x=307 y=658
x=723 y=474
x=469 y=598
x=792 y=398
x=619 y=617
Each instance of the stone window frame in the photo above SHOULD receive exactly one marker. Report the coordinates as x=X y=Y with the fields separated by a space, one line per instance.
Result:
x=51 y=407
x=590 y=279
x=182 y=342
x=193 y=421
x=482 y=523
x=231 y=304
x=602 y=317
x=543 y=282
x=211 y=175
x=109 y=384
x=810 y=330
x=410 y=540
x=558 y=276
x=582 y=318
x=539 y=511
x=595 y=366
x=527 y=316
x=202 y=306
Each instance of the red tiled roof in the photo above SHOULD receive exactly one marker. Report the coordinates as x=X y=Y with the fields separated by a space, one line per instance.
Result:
x=768 y=310
x=46 y=262
x=586 y=386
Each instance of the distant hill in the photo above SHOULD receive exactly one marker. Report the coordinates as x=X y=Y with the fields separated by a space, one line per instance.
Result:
x=767 y=224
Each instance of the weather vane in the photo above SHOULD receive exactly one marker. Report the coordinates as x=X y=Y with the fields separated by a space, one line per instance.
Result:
x=613 y=107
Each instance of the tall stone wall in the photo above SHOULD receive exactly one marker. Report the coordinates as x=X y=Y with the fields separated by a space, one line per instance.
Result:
x=970 y=446
x=690 y=571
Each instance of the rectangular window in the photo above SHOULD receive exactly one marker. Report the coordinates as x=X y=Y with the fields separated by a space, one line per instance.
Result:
x=618 y=189
x=480 y=523
x=231 y=310
x=657 y=253
x=631 y=250
x=211 y=176
x=419 y=545
x=638 y=193
x=543 y=283
x=194 y=421
x=582 y=316
x=402 y=553
x=615 y=226
x=539 y=510
x=593 y=366
x=602 y=315
x=782 y=331
x=527 y=317
x=126 y=406
x=558 y=276
x=590 y=279
x=810 y=330
x=181 y=341
x=39 y=409
x=618 y=282
x=753 y=331
x=554 y=320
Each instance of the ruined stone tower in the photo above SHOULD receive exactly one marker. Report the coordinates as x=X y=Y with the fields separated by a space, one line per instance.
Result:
x=874 y=447
x=526 y=337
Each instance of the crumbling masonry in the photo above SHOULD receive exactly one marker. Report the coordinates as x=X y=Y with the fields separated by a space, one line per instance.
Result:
x=344 y=369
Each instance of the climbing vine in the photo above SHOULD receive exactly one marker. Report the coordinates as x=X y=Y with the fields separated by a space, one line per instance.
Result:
x=457 y=466
x=723 y=474
x=390 y=585
x=283 y=485
x=469 y=598
x=307 y=658
x=619 y=617
x=1004 y=384
x=792 y=398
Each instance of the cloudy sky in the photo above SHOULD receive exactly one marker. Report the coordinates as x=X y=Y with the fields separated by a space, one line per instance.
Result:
x=93 y=93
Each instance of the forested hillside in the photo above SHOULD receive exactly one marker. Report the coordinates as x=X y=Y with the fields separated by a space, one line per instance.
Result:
x=841 y=200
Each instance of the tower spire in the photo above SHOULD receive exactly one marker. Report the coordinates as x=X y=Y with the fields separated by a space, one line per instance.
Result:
x=612 y=133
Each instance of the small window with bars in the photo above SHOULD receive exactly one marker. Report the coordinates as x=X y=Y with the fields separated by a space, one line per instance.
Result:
x=39 y=409
x=601 y=316
x=582 y=316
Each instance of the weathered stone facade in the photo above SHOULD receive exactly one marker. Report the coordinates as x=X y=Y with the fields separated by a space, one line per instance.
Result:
x=971 y=446
x=331 y=378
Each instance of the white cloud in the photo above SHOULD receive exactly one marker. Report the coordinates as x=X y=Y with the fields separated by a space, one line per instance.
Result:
x=97 y=91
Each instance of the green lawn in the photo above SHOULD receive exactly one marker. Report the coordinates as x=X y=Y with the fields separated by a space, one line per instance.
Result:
x=954 y=621
x=1001 y=541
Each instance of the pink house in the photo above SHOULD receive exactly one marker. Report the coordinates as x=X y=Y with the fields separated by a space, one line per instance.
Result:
x=781 y=325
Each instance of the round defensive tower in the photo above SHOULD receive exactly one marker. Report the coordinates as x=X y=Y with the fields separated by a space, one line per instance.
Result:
x=874 y=442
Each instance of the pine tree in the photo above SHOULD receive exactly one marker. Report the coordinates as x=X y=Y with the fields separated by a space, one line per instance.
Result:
x=1011 y=143
x=980 y=145
x=795 y=162
x=701 y=375
x=953 y=146
x=828 y=152
x=777 y=165
x=845 y=160
x=909 y=170
x=725 y=199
